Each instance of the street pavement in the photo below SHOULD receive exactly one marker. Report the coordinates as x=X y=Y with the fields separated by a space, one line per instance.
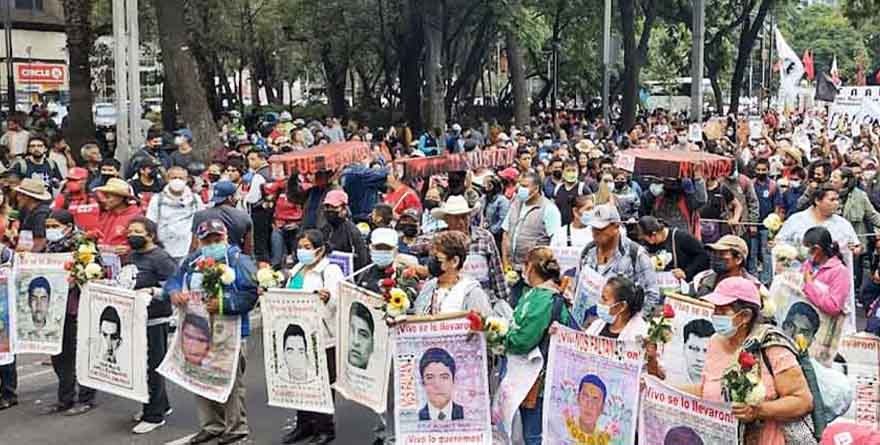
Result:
x=110 y=423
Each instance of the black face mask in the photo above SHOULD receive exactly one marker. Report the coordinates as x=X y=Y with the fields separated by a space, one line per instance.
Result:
x=333 y=218
x=431 y=204
x=718 y=264
x=409 y=230
x=761 y=176
x=106 y=178
x=557 y=174
x=619 y=186
x=213 y=177
x=137 y=242
x=434 y=267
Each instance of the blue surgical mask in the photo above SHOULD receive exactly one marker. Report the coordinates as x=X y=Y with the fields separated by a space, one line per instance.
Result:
x=522 y=194
x=216 y=251
x=382 y=258
x=586 y=217
x=306 y=256
x=604 y=313
x=723 y=325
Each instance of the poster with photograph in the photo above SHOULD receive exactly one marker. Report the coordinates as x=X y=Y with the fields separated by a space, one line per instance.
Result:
x=7 y=319
x=204 y=352
x=41 y=302
x=441 y=390
x=684 y=356
x=859 y=360
x=521 y=373
x=592 y=389
x=111 y=349
x=363 y=358
x=589 y=291
x=668 y=416
x=294 y=351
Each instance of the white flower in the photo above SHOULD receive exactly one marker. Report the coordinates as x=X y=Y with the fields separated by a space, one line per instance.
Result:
x=756 y=395
x=266 y=277
x=93 y=271
x=228 y=275
x=497 y=325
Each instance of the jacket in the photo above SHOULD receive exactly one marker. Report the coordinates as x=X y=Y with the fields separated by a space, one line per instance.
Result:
x=174 y=217
x=82 y=206
x=495 y=211
x=238 y=298
x=362 y=184
x=829 y=289
x=635 y=330
x=857 y=209
x=325 y=275
x=531 y=319
x=466 y=295
x=113 y=224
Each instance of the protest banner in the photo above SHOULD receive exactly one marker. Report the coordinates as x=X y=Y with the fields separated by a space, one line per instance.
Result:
x=854 y=105
x=111 y=341
x=363 y=354
x=684 y=356
x=589 y=291
x=319 y=158
x=591 y=387
x=344 y=260
x=859 y=359
x=41 y=302
x=569 y=258
x=476 y=267
x=521 y=373
x=468 y=161
x=668 y=283
x=673 y=163
x=203 y=355
x=668 y=416
x=112 y=264
x=441 y=388
x=294 y=351
x=7 y=318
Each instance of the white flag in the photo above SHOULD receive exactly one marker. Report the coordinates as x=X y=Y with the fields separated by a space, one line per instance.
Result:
x=835 y=74
x=791 y=70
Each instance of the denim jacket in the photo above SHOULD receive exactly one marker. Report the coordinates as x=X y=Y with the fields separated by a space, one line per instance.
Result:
x=495 y=213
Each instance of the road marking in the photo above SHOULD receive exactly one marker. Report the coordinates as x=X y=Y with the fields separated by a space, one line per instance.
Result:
x=183 y=440
x=36 y=374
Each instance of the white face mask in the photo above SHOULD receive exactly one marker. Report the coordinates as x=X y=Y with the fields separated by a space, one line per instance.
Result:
x=177 y=185
x=178 y=140
x=53 y=235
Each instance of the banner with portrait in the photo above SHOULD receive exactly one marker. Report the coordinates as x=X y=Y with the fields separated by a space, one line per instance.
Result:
x=111 y=341
x=294 y=351
x=7 y=318
x=363 y=356
x=204 y=352
x=591 y=387
x=668 y=416
x=441 y=390
x=41 y=302
x=685 y=354
x=521 y=373
x=859 y=359
x=589 y=290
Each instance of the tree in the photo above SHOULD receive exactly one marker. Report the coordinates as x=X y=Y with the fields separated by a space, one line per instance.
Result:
x=435 y=111
x=77 y=20
x=182 y=75
x=826 y=32
x=748 y=33
x=634 y=53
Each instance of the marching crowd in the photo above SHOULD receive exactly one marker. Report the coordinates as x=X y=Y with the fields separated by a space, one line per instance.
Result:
x=714 y=234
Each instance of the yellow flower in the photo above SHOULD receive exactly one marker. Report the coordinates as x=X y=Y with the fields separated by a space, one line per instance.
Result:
x=85 y=257
x=658 y=263
x=398 y=303
x=773 y=222
x=582 y=437
x=86 y=248
x=511 y=277
x=228 y=275
x=801 y=343
x=93 y=271
x=497 y=325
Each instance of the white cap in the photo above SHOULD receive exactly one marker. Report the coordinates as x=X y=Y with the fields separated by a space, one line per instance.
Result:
x=384 y=236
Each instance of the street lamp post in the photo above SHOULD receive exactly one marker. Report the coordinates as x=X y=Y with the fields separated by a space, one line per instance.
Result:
x=606 y=63
x=10 y=75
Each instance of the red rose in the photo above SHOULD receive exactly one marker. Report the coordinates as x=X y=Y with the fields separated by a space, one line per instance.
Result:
x=668 y=311
x=68 y=265
x=476 y=321
x=387 y=282
x=389 y=271
x=746 y=361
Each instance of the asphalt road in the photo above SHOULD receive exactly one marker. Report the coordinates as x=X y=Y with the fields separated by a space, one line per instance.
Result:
x=110 y=423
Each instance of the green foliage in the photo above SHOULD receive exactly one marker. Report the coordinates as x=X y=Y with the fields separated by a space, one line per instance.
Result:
x=669 y=53
x=828 y=33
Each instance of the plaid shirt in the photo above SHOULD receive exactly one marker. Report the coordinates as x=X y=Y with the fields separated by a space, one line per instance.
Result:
x=642 y=272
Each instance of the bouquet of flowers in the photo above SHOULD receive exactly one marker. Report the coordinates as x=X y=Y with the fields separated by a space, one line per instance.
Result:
x=495 y=328
x=268 y=278
x=660 y=327
x=86 y=263
x=773 y=223
x=399 y=288
x=215 y=276
x=397 y=302
x=661 y=260
x=741 y=382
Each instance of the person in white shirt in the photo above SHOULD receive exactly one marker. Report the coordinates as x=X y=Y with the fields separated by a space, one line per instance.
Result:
x=578 y=232
x=16 y=137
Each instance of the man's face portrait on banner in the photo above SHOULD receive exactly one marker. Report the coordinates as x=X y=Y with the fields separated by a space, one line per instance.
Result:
x=801 y=319
x=360 y=338
x=296 y=354
x=591 y=402
x=437 y=371
x=39 y=297
x=110 y=327
x=696 y=342
x=196 y=338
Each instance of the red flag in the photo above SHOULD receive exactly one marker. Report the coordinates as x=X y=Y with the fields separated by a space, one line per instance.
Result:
x=808 y=64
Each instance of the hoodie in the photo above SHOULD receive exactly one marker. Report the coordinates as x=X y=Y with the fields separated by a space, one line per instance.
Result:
x=174 y=216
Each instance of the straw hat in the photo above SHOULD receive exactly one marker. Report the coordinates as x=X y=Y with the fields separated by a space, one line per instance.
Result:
x=115 y=186
x=455 y=205
x=35 y=188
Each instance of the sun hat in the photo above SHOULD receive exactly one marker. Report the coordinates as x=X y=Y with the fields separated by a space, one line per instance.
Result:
x=35 y=188
x=455 y=205
x=115 y=186
x=731 y=242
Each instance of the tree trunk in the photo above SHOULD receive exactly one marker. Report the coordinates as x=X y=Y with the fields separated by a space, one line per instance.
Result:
x=411 y=41
x=716 y=89
x=335 y=81
x=435 y=109
x=516 y=64
x=169 y=106
x=80 y=126
x=182 y=74
x=634 y=55
x=747 y=38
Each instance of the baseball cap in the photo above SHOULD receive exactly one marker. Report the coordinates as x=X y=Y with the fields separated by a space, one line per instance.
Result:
x=604 y=215
x=77 y=174
x=509 y=174
x=222 y=191
x=185 y=132
x=412 y=213
x=336 y=198
x=734 y=289
x=210 y=227
x=383 y=236
x=731 y=242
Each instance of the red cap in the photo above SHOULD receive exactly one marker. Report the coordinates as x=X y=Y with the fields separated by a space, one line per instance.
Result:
x=77 y=174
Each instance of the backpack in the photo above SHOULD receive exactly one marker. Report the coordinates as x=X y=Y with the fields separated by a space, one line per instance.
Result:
x=816 y=421
x=559 y=304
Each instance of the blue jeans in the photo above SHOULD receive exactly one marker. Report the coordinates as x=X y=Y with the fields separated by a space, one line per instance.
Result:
x=531 y=423
x=758 y=249
x=283 y=243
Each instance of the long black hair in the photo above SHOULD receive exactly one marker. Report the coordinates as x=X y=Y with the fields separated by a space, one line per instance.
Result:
x=625 y=290
x=820 y=237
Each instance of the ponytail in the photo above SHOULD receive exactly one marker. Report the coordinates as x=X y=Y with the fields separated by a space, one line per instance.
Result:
x=545 y=264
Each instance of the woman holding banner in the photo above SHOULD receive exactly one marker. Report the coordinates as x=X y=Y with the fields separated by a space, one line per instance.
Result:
x=535 y=312
x=619 y=311
x=736 y=320
x=314 y=272
x=826 y=286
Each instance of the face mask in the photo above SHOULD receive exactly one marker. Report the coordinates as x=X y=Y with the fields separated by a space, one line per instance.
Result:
x=216 y=251
x=604 y=313
x=557 y=174
x=761 y=176
x=214 y=177
x=409 y=230
x=137 y=242
x=570 y=176
x=74 y=186
x=718 y=264
x=333 y=218
x=656 y=189
x=869 y=174
x=382 y=258
x=178 y=140
x=434 y=267
x=306 y=256
x=177 y=185
x=431 y=204
x=619 y=185
x=723 y=325
x=53 y=235
x=794 y=184
x=522 y=194
x=106 y=178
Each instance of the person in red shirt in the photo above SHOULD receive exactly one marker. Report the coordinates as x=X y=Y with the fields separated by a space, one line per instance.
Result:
x=76 y=199
x=401 y=197
x=117 y=211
